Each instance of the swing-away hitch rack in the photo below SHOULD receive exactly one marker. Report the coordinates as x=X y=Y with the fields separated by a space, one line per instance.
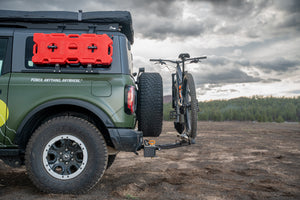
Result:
x=150 y=147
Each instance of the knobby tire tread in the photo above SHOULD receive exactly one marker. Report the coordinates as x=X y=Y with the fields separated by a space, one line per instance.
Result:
x=189 y=81
x=36 y=137
x=150 y=104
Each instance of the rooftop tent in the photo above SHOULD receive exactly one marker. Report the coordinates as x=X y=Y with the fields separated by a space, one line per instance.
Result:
x=123 y=18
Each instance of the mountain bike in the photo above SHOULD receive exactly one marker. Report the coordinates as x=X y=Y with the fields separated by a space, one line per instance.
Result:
x=184 y=100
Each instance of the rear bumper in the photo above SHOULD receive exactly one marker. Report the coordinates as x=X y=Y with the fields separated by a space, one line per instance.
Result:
x=126 y=139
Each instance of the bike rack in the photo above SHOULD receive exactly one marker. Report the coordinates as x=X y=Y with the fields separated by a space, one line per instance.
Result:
x=178 y=104
x=150 y=147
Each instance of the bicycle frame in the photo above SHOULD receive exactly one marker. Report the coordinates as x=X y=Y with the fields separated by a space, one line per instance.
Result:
x=177 y=82
x=177 y=79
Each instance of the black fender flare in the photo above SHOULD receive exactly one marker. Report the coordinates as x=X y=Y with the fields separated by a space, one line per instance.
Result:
x=73 y=102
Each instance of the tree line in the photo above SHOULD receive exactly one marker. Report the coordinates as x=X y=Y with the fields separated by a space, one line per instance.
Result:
x=257 y=108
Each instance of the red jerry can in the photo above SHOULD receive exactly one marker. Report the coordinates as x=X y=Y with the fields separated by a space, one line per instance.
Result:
x=72 y=49
x=97 y=49
x=58 y=48
x=49 y=48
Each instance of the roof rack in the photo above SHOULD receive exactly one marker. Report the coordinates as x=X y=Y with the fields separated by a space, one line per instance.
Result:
x=102 y=20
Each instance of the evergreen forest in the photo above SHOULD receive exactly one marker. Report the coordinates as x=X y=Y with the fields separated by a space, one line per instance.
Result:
x=257 y=108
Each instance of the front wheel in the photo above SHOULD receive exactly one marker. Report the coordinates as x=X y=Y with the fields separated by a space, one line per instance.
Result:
x=190 y=105
x=66 y=155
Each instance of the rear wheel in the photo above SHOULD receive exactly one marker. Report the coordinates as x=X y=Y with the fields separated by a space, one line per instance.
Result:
x=66 y=155
x=190 y=104
x=150 y=104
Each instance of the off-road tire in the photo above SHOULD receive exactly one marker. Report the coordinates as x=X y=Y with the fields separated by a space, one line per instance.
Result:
x=189 y=98
x=150 y=104
x=80 y=129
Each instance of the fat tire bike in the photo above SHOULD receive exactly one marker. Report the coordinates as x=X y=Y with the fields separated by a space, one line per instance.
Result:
x=184 y=98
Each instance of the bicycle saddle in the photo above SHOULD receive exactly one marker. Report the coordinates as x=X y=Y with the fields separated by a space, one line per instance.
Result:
x=183 y=56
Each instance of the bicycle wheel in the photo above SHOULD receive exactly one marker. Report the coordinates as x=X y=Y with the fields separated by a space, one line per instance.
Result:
x=191 y=106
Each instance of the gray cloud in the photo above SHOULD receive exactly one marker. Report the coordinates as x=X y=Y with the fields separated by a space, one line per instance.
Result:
x=203 y=90
x=271 y=80
x=292 y=15
x=294 y=92
x=291 y=6
x=217 y=61
x=240 y=17
x=236 y=9
x=230 y=76
x=278 y=64
x=168 y=28
x=161 y=8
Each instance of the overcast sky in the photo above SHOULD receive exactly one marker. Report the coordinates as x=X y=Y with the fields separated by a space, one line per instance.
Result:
x=252 y=46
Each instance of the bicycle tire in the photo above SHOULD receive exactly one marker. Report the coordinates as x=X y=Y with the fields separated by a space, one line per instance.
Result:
x=191 y=110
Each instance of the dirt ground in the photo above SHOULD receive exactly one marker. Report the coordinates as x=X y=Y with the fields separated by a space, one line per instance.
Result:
x=231 y=160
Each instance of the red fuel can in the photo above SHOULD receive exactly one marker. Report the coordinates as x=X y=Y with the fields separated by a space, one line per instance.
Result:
x=59 y=48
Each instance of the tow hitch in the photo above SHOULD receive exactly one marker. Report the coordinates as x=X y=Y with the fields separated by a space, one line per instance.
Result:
x=150 y=147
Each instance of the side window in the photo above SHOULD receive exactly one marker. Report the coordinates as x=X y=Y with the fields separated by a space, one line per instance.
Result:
x=29 y=53
x=3 y=50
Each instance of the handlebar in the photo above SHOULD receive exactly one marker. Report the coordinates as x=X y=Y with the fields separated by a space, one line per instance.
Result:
x=196 y=58
x=162 y=61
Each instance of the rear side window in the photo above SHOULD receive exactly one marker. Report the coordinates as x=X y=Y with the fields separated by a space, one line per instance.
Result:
x=3 y=51
x=29 y=53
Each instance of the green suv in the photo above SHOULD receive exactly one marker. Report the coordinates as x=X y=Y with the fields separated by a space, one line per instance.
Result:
x=67 y=121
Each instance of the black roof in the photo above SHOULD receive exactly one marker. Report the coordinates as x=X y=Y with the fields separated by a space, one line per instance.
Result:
x=123 y=18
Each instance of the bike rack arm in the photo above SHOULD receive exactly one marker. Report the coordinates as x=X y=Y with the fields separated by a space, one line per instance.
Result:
x=174 y=145
x=150 y=148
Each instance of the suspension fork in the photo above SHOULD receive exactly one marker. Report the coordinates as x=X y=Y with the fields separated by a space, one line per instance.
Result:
x=179 y=81
x=179 y=84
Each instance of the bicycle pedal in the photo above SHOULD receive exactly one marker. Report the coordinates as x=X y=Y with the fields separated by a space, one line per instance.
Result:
x=184 y=136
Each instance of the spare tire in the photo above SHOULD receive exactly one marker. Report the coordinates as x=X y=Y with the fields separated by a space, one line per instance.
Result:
x=150 y=104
